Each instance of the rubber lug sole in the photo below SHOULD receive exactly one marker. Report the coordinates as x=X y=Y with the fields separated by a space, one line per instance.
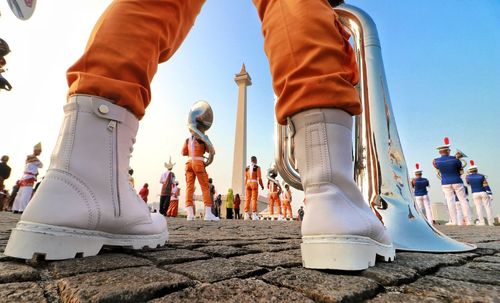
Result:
x=31 y=240
x=343 y=252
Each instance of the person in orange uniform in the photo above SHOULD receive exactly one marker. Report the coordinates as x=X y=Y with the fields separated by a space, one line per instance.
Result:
x=173 y=208
x=274 y=188
x=287 y=202
x=253 y=178
x=194 y=149
x=314 y=73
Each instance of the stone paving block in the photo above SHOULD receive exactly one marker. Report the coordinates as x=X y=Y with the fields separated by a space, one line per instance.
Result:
x=495 y=245
x=222 y=251
x=264 y=247
x=397 y=297
x=324 y=286
x=172 y=256
x=235 y=291
x=485 y=266
x=137 y=284
x=216 y=269
x=424 y=262
x=97 y=263
x=465 y=273
x=489 y=259
x=287 y=258
x=390 y=274
x=17 y=272
x=28 y=292
x=452 y=291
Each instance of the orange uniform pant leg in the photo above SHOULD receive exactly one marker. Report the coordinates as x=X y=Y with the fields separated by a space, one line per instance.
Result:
x=311 y=60
x=274 y=199
x=190 y=179
x=287 y=208
x=312 y=63
x=252 y=192
x=126 y=45
x=173 y=208
x=196 y=170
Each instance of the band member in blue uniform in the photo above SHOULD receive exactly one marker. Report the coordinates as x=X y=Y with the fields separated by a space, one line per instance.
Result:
x=450 y=171
x=481 y=193
x=420 y=185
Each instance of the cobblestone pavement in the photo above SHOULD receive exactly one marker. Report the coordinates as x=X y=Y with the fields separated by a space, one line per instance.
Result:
x=236 y=261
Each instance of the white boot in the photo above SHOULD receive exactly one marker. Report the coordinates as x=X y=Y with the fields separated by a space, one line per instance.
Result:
x=190 y=213
x=209 y=216
x=246 y=216
x=255 y=217
x=339 y=230
x=85 y=200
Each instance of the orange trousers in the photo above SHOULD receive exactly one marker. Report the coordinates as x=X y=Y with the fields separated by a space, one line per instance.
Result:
x=173 y=208
x=311 y=61
x=252 y=193
x=287 y=208
x=274 y=198
x=196 y=169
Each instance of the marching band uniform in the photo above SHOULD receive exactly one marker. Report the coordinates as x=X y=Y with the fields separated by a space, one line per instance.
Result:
x=450 y=169
x=315 y=93
x=144 y=192
x=28 y=180
x=420 y=185
x=173 y=208
x=167 y=180
x=253 y=178
x=287 y=202
x=194 y=149
x=481 y=194
x=274 y=195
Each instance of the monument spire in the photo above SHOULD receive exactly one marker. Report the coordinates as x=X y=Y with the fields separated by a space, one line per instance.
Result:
x=243 y=80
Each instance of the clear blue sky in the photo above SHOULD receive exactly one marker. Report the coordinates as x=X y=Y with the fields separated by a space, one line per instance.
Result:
x=441 y=60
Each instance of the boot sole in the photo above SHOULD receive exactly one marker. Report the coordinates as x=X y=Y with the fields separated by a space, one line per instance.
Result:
x=32 y=240
x=343 y=252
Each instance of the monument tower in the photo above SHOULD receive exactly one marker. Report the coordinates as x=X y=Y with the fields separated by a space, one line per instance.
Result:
x=243 y=80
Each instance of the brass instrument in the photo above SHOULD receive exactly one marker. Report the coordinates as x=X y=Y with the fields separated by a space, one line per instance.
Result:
x=200 y=119
x=380 y=169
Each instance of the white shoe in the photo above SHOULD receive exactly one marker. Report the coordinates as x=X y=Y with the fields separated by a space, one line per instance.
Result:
x=255 y=217
x=209 y=216
x=339 y=230
x=280 y=218
x=85 y=200
x=481 y=224
x=450 y=223
x=246 y=216
x=190 y=213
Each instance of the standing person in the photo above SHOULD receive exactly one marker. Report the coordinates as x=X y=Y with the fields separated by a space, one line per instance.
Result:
x=237 y=202
x=109 y=90
x=144 y=192
x=211 y=186
x=4 y=175
x=4 y=51
x=173 y=208
x=218 y=203
x=481 y=194
x=194 y=149
x=166 y=180
x=131 y=180
x=275 y=190
x=287 y=202
x=13 y=195
x=4 y=171
x=420 y=185
x=253 y=178
x=229 y=204
x=450 y=169
x=301 y=213
x=28 y=180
